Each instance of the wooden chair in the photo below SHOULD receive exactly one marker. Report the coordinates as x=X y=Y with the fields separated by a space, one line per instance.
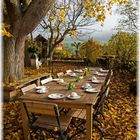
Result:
x=81 y=114
x=42 y=115
x=27 y=88
x=46 y=80
x=98 y=106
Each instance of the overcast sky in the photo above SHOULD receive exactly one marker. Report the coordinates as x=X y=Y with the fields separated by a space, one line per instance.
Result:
x=108 y=28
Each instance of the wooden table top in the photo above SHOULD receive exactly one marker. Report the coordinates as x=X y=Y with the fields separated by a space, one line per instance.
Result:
x=54 y=87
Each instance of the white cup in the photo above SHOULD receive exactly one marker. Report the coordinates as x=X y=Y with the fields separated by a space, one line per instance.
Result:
x=87 y=85
x=97 y=72
x=94 y=78
x=43 y=88
x=81 y=77
x=74 y=94
x=73 y=74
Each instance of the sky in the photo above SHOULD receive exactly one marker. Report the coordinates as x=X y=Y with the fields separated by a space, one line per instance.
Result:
x=104 y=32
x=107 y=29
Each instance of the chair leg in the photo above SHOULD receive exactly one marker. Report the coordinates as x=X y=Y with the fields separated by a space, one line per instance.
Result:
x=63 y=137
x=95 y=126
x=100 y=113
x=97 y=120
x=78 y=131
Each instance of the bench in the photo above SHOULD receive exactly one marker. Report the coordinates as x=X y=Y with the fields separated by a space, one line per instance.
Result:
x=10 y=91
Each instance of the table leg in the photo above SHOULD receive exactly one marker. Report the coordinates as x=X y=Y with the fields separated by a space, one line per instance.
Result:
x=25 y=123
x=89 y=122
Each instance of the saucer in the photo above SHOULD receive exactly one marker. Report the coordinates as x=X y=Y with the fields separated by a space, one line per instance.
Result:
x=86 y=87
x=91 y=90
x=41 y=91
x=56 y=96
x=96 y=81
x=73 y=97
x=102 y=74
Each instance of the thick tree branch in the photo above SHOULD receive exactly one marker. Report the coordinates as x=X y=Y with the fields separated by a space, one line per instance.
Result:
x=14 y=15
x=34 y=14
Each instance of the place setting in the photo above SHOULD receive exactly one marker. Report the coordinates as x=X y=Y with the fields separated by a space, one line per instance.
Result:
x=56 y=96
x=98 y=73
x=41 y=89
x=73 y=96
x=88 y=88
x=95 y=80
x=71 y=73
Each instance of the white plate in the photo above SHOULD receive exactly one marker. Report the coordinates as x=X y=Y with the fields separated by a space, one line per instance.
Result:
x=86 y=87
x=56 y=96
x=72 y=74
x=101 y=74
x=96 y=81
x=91 y=90
x=104 y=71
x=78 y=70
x=73 y=98
x=41 y=91
x=40 y=87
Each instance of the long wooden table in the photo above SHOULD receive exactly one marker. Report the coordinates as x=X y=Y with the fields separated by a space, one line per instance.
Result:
x=86 y=101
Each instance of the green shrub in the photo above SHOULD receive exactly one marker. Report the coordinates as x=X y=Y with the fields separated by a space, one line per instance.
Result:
x=124 y=46
x=34 y=49
x=91 y=50
x=61 y=54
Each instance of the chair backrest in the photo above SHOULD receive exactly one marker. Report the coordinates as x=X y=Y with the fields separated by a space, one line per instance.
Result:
x=108 y=78
x=103 y=93
x=104 y=96
x=60 y=74
x=44 y=81
x=43 y=108
x=27 y=88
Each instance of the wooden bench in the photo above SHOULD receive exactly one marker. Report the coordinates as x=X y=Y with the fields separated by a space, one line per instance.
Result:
x=10 y=91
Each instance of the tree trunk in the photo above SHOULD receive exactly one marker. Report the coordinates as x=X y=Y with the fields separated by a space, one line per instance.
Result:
x=50 y=52
x=21 y=25
x=19 y=57
x=27 y=60
x=9 y=60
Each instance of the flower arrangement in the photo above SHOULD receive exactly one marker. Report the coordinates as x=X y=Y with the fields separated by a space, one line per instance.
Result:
x=70 y=86
x=77 y=79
